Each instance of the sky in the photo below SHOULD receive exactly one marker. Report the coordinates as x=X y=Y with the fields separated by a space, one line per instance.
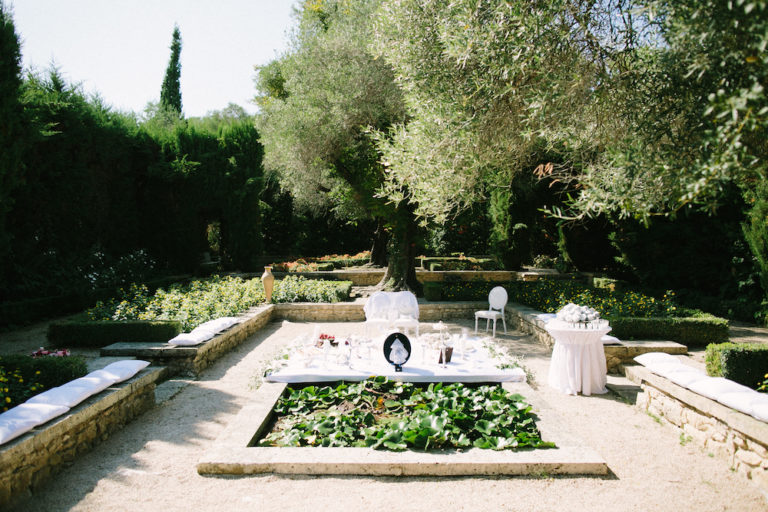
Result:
x=120 y=48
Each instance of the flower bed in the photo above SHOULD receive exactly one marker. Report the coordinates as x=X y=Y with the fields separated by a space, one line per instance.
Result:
x=199 y=301
x=379 y=413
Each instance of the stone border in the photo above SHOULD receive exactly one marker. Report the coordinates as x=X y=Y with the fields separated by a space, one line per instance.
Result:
x=526 y=320
x=731 y=435
x=233 y=454
x=30 y=460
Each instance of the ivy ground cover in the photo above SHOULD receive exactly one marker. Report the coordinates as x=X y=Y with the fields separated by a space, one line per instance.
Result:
x=383 y=414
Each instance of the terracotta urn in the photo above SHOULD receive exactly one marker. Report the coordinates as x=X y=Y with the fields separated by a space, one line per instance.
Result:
x=268 y=280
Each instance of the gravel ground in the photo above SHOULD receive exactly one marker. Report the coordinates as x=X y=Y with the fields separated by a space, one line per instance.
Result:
x=150 y=464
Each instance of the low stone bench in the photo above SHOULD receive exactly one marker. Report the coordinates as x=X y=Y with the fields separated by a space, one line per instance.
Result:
x=191 y=360
x=731 y=435
x=31 y=459
x=527 y=320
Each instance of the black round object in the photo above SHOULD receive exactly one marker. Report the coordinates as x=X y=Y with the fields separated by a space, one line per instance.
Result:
x=395 y=353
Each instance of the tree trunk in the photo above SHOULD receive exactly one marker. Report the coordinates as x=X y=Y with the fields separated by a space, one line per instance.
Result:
x=401 y=268
x=379 y=249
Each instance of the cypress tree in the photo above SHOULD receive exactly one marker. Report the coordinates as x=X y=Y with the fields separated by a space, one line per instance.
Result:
x=13 y=133
x=170 y=94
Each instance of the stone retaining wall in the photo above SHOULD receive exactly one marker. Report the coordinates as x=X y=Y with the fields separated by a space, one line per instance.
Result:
x=33 y=458
x=739 y=439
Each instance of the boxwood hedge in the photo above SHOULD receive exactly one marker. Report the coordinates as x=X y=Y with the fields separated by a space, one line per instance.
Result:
x=745 y=363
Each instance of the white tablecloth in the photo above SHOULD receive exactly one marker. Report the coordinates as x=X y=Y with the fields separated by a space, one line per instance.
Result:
x=578 y=360
x=477 y=365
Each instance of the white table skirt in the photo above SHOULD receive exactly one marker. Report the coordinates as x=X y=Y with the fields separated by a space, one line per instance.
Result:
x=578 y=361
x=477 y=366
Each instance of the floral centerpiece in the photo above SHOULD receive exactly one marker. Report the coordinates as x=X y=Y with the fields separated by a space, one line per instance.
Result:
x=330 y=338
x=581 y=316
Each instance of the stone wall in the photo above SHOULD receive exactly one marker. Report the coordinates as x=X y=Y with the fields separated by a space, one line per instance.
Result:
x=738 y=439
x=33 y=458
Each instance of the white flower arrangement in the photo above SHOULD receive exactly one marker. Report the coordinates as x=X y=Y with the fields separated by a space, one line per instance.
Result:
x=575 y=314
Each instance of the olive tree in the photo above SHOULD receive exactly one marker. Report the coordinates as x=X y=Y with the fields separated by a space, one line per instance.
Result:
x=319 y=104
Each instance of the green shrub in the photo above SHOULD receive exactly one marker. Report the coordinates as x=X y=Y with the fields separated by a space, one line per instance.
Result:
x=22 y=377
x=327 y=266
x=300 y=289
x=691 y=331
x=202 y=300
x=433 y=291
x=458 y=263
x=191 y=304
x=106 y=332
x=745 y=363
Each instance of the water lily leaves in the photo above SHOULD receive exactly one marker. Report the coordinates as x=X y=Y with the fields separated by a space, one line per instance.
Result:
x=384 y=414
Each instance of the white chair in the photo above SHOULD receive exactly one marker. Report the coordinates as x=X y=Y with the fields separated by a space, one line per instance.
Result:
x=497 y=299
x=377 y=311
x=406 y=312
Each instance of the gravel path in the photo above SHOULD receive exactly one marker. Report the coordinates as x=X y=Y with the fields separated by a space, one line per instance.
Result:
x=150 y=464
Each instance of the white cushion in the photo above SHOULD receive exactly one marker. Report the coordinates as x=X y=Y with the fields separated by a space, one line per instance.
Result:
x=760 y=411
x=655 y=357
x=217 y=324
x=713 y=387
x=488 y=314
x=124 y=370
x=685 y=378
x=191 y=338
x=13 y=428
x=38 y=413
x=759 y=407
x=664 y=369
x=742 y=401
x=95 y=382
x=610 y=340
x=68 y=396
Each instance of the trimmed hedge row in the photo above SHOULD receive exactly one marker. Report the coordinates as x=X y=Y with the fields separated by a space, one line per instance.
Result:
x=100 y=333
x=690 y=331
x=745 y=363
x=622 y=308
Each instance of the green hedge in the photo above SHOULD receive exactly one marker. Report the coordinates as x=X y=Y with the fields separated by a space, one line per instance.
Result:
x=464 y=290
x=101 y=333
x=744 y=363
x=689 y=331
x=299 y=289
x=467 y=263
x=25 y=376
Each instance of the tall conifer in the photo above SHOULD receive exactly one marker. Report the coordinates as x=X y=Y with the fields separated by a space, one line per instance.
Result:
x=170 y=94
x=12 y=127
